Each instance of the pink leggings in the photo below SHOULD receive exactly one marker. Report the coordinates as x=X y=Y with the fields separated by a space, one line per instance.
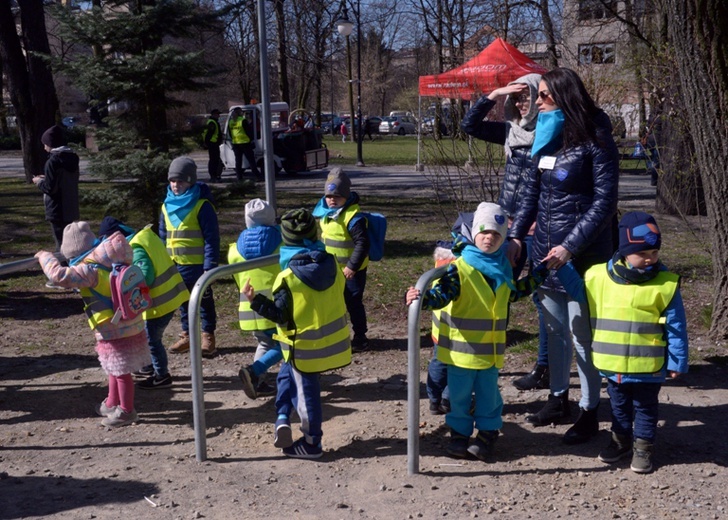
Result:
x=121 y=392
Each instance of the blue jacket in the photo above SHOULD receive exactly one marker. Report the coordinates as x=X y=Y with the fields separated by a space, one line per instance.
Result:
x=574 y=204
x=258 y=241
x=676 y=333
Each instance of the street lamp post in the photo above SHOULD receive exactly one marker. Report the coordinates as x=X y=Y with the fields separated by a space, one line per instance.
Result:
x=345 y=28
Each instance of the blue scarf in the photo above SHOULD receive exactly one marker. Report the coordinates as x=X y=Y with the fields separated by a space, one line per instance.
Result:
x=179 y=206
x=288 y=252
x=323 y=210
x=80 y=257
x=493 y=265
x=548 y=133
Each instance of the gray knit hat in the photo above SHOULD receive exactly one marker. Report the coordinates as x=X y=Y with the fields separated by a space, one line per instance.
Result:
x=183 y=169
x=259 y=213
x=77 y=239
x=338 y=183
x=490 y=217
x=297 y=225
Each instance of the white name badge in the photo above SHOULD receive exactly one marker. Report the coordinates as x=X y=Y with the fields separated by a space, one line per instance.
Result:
x=547 y=162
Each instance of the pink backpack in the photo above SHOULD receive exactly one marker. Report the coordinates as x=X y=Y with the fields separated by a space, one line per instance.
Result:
x=129 y=292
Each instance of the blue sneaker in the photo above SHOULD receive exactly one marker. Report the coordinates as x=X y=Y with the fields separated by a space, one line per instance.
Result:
x=283 y=436
x=303 y=450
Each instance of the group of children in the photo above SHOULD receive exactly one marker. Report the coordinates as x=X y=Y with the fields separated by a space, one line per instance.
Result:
x=297 y=309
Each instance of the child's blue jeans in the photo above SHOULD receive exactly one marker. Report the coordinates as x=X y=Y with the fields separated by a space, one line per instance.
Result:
x=302 y=392
x=190 y=274
x=638 y=400
x=155 y=332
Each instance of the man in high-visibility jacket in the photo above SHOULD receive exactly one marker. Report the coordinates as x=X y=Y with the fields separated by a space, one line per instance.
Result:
x=639 y=334
x=310 y=314
x=470 y=331
x=211 y=141
x=241 y=136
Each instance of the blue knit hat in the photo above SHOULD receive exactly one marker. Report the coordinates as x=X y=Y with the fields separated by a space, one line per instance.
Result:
x=638 y=231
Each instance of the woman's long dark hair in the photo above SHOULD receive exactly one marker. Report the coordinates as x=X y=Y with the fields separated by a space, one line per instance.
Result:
x=569 y=93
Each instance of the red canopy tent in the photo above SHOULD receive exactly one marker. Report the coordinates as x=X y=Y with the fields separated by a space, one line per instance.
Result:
x=497 y=65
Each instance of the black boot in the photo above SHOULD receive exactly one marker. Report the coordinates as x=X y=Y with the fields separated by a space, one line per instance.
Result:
x=536 y=378
x=585 y=427
x=555 y=409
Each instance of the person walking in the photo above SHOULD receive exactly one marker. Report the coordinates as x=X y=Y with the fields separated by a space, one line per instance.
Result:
x=211 y=142
x=241 y=132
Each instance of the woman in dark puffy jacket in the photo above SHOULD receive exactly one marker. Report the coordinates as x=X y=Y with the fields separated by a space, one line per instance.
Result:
x=516 y=133
x=572 y=197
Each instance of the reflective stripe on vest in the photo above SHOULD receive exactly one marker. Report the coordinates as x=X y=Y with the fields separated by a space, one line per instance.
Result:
x=320 y=341
x=261 y=279
x=186 y=244
x=215 y=135
x=237 y=131
x=628 y=334
x=335 y=236
x=168 y=290
x=97 y=301
x=471 y=330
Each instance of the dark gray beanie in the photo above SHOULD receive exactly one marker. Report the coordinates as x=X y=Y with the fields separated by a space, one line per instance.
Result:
x=338 y=183
x=182 y=169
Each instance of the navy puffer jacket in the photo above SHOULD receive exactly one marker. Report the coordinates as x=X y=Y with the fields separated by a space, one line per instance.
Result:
x=574 y=204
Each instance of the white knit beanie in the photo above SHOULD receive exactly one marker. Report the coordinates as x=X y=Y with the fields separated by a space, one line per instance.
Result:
x=77 y=239
x=490 y=217
x=259 y=213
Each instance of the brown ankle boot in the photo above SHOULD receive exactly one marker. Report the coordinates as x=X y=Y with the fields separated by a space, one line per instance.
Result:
x=208 y=344
x=182 y=345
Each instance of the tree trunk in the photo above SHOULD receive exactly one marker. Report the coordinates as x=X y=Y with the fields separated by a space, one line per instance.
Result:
x=283 y=87
x=30 y=82
x=701 y=50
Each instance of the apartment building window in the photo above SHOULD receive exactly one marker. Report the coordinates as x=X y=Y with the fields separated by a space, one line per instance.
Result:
x=597 y=9
x=596 y=53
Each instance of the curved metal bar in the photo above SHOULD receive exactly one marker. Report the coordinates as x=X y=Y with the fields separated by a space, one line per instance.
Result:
x=198 y=398
x=413 y=371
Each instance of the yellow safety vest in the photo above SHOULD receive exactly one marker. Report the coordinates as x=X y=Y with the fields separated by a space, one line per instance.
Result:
x=335 y=236
x=168 y=290
x=215 y=135
x=319 y=340
x=185 y=244
x=262 y=280
x=237 y=131
x=471 y=330
x=627 y=323
x=97 y=300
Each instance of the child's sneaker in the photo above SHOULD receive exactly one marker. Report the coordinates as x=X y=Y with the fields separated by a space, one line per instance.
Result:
x=483 y=446
x=458 y=446
x=436 y=408
x=156 y=382
x=182 y=345
x=249 y=380
x=445 y=406
x=120 y=418
x=265 y=390
x=619 y=446
x=104 y=411
x=360 y=343
x=144 y=372
x=303 y=450
x=641 y=456
x=283 y=435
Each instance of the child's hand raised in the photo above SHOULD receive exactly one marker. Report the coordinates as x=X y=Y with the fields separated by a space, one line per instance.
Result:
x=248 y=290
x=412 y=295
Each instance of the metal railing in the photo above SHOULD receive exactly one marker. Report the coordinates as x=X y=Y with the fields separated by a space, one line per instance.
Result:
x=413 y=371
x=198 y=398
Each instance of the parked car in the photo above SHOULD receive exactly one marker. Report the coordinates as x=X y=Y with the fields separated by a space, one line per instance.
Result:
x=326 y=121
x=399 y=125
x=372 y=124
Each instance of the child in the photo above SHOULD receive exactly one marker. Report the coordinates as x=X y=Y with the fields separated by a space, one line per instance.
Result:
x=121 y=345
x=471 y=330
x=167 y=290
x=189 y=225
x=344 y=232
x=261 y=238
x=344 y=131
x=639 y=334
x=309 y=311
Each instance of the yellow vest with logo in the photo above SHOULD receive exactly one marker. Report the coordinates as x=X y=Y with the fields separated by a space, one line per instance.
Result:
x=320 y=339
x=97 y=301
x=215 y=135
x=185 y=243
x=628 y=333
x=168 y=290
x=237 y=131
x=262 y=280
x=471 y=330
x=335 y=236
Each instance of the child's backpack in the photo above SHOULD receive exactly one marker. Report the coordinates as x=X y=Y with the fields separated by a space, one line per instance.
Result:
x=129 y=292
x=377 y=230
